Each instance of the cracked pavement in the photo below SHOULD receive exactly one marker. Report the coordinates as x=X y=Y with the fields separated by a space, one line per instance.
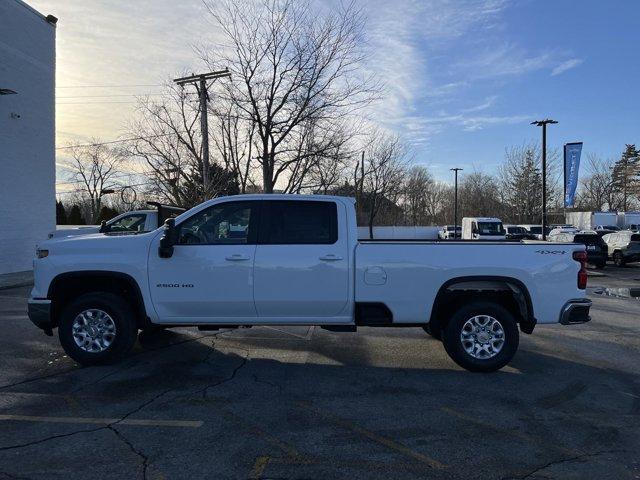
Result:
x=300 y=403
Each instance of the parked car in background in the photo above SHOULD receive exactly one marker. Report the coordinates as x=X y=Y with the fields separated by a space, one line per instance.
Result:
x=597 y=251
x=535 y=230
x=562 y=229
x=448 y=232
x=623 y=247
x=611 y=228
x=516 y=232
x=482 y=228
x=137 y=221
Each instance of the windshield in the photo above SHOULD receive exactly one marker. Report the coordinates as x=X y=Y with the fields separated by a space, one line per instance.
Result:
x=450 y=228
x=516 y=230
x=490 y=228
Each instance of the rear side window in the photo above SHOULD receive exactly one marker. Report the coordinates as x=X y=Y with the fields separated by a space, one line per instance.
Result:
x=299 y=222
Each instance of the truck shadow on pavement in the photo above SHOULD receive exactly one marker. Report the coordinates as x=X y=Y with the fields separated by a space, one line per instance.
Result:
x=266 y=404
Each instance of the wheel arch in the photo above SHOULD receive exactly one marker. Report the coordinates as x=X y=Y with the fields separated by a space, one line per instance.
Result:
x=508 y=291
x=69 y=285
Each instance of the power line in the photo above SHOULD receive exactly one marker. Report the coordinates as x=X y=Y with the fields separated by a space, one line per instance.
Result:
x=117 y=141
x=113 y=95
x=110 y=86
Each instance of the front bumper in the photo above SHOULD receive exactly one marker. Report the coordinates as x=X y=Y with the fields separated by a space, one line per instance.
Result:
x=575 y=311
x=39 y=311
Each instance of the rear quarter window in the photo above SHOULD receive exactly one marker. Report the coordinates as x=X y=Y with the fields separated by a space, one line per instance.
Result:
x=299 y=222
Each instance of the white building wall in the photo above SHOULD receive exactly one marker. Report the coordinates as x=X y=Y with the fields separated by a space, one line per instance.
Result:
x=27 y=133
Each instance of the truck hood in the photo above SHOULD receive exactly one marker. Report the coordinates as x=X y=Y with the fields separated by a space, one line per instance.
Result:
x=68 y=232
x=96 y=243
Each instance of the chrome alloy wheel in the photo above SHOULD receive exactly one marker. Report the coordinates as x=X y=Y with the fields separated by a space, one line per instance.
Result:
x=93 y=330
x=482 y=337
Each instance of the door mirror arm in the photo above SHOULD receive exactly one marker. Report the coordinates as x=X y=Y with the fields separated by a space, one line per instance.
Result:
x=169 y=239
x=104 y=228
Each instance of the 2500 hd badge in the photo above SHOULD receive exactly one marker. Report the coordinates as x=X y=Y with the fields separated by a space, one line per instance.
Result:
x=175 y=285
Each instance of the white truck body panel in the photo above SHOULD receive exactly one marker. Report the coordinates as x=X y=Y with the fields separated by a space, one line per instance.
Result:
x=628 y=218
x=590 y=220
x=400 y=233
x=309 y=284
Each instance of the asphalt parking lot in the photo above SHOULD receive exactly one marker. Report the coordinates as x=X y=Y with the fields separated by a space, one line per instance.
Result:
x=303 y=403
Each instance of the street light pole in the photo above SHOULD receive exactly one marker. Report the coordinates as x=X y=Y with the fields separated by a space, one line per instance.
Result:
x=455 y=202
x=543 y=124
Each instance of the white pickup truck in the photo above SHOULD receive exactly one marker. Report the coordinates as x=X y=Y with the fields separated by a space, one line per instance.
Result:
x=136 y=221
x=296 y=260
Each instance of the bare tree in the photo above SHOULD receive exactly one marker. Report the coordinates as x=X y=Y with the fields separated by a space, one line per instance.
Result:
x=383 y=176
x=597 y=190
x=95 y=167
x=167 y=139
x=422 y=196
x=295 y=71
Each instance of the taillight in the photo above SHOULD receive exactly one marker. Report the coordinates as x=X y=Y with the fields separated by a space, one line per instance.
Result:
x=582 y=273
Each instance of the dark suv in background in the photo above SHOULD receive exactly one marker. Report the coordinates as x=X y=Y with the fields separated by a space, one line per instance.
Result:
x=597 y=251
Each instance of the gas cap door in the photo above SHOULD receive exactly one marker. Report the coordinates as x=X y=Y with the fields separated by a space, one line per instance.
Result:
x=375 y=276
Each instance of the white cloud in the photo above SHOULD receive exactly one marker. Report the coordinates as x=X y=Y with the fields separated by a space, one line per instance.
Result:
x=567 y=65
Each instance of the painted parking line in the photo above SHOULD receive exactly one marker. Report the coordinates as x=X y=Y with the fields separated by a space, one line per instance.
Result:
x=258 y=467
x=384 y=441
x=104 y=421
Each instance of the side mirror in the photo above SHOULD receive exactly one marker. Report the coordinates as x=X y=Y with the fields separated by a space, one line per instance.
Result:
x=104 y=228
x=169 y=238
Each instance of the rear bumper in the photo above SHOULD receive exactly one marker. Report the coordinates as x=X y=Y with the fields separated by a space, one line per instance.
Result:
x=39 y=311
x=575 y=311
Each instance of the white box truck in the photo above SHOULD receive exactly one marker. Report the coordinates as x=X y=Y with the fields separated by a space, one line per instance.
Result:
x=629 y=220
x=482 y=228
x=591 y=220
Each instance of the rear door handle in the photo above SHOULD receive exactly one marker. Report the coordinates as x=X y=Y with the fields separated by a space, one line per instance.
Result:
x=236 y=257
x=330 y=258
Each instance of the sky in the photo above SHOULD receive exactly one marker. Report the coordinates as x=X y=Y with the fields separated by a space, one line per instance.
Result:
x=464 y=78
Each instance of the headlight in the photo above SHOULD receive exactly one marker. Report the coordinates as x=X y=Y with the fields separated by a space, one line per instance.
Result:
x=42 y=253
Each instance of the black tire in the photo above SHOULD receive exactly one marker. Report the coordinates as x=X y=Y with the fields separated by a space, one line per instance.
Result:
x=437 y=334
x=618 y=259
x=454 y=347
x=120 y=311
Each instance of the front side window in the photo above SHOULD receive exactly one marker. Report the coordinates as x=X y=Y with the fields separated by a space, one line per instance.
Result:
x=223 y=224
x=300 y=222
x=129 y=223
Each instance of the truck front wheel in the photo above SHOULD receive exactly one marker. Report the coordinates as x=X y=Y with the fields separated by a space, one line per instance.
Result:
x=97 y=328
x=481 y=336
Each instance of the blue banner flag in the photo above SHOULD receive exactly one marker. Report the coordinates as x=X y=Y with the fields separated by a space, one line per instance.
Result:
x=572 y=153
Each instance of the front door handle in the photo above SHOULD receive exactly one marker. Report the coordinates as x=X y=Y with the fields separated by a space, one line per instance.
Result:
x=330 y=258
x=237 y=257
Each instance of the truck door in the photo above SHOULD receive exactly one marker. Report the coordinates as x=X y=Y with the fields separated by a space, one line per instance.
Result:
x=209 y=278
x=302 y=261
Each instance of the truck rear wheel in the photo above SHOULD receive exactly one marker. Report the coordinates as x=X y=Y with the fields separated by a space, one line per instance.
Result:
x=97 y=328
x=481 y=336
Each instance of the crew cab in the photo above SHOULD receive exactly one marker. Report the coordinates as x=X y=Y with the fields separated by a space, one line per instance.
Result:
x=136 y=221
x=254 y=260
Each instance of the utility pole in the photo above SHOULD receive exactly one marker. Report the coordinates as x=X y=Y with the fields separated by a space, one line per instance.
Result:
x=202 y=87
x=543 y=124
x=455 y=202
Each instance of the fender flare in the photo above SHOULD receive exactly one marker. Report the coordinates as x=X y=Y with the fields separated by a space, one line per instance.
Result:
x=488 y=283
